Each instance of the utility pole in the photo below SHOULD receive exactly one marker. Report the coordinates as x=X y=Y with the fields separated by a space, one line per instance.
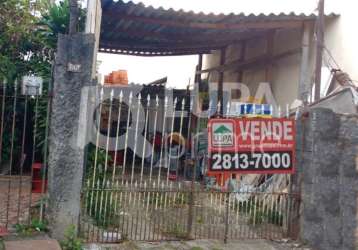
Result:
x=73 y=17
x=319 y=49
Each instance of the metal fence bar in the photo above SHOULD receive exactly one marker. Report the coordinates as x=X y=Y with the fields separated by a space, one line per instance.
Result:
x=94 y=175
x=11 y=151
x=22 y=160
x=135 y=137
x=145 y=136
x=166 y=211
x=3 y=101
x=171 y=141
x=19 y=132
x=104 y=181
x=33 y=150
x=163 y=137
x=155 y=206
x=126 y=138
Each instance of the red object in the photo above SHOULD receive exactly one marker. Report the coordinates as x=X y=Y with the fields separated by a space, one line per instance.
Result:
x=3 y=231
x=119 y=157
x=157 y=140
x=221 y=178
x=37 y=181
x=251 y=145
x=37 y=186
x=172 y=177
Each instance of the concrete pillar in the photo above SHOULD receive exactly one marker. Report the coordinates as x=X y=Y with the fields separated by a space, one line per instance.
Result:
x=73 y=69
x=304 y=85
x=348 y=175
x=329 y=181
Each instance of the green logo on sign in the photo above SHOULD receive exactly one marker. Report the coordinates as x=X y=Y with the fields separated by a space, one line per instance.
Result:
x=223 y=134
x=222 y=130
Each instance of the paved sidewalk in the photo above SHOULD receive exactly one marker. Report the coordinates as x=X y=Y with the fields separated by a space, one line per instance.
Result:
x=201 y=245
x=32 y=245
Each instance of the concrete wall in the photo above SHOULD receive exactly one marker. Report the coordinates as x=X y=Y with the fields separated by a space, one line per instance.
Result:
x=328 y=168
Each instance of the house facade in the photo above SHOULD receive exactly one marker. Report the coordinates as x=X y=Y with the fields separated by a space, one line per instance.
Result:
x=285 y=58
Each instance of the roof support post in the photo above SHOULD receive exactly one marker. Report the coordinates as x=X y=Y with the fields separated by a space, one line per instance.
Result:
x=221 y=81
x=240 y=73
x=270 y=41
x=304 y=86
x=198 y=69
x=319 y=49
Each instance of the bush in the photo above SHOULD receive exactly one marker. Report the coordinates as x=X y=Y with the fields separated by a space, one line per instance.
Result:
x=71 y=242
x=36 y=225
x=263 y=213
x=99 y=196
x=106 y=216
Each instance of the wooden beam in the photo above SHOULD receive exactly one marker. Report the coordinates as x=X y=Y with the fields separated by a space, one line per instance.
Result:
x=319 y=49
x=199 y=67
x=240 y=73
x=221 y=81
x=256 y=62
x=204 y=25
x=270 y=42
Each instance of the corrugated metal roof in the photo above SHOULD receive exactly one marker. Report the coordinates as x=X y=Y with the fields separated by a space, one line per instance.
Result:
x=129 y=28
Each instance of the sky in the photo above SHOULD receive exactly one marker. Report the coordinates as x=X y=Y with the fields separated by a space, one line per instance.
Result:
x=180 y=69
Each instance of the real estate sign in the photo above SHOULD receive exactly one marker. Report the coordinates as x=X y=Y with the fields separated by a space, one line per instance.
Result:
x=251 y=145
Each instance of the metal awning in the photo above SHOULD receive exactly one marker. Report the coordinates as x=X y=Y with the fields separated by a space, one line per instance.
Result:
x=134 y=29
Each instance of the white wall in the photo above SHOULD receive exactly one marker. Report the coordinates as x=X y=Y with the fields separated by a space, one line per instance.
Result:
x=341 y=36
x=285 y=71
x=341 y=40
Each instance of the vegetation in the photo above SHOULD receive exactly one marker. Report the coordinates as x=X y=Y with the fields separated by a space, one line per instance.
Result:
x=29 y=32
x=29 y=35
x=163 y=198
x=262 y=214
x=71 y=241
x=101 y=208
x=18 y=40
x=29 y=229
x=95 y=199
x=178 y=231
x=196 y=248
x=98 y=164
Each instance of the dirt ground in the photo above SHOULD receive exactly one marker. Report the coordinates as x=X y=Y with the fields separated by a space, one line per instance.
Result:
x=15 y=200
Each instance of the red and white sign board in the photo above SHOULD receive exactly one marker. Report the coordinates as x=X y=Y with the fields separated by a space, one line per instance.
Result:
x=251 y=145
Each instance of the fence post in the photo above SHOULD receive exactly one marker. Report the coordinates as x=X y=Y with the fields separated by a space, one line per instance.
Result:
x=72 y=72
x=190 y=215
x=227 y=216
x=191 y=204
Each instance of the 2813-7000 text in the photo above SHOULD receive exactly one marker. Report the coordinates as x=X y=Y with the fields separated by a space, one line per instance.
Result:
x=251 y=161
